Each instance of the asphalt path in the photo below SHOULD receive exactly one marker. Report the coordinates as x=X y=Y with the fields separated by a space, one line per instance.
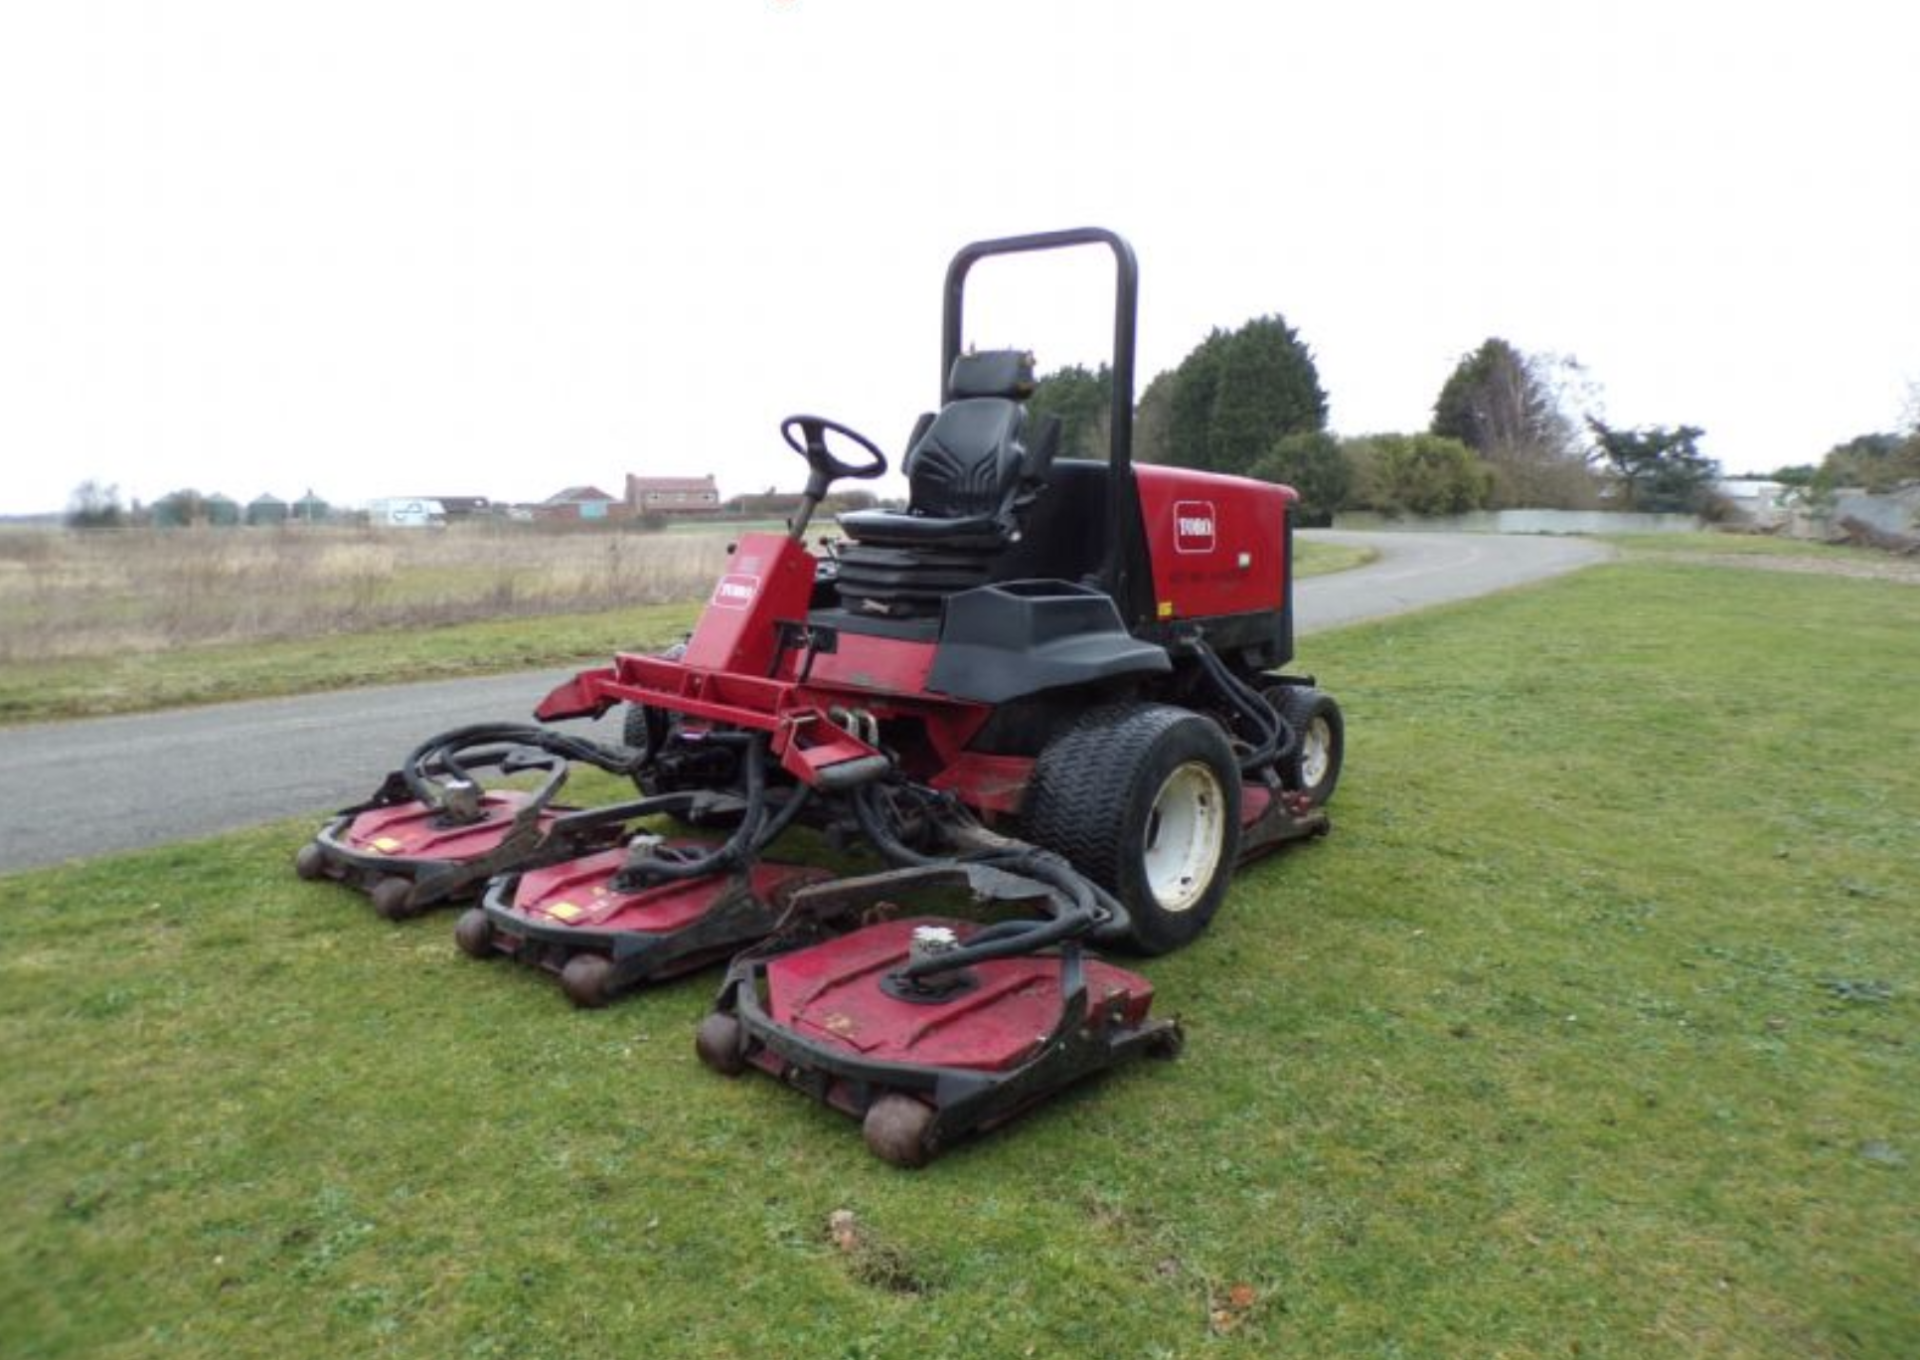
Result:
x=76 y=789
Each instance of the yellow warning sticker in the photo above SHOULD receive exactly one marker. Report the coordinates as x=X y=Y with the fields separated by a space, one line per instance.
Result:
x=566 y=911
x=1166 y=609
x=386 y=845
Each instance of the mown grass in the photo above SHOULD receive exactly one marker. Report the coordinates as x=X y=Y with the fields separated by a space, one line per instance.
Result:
x=137 y=680
x=1590 y=1031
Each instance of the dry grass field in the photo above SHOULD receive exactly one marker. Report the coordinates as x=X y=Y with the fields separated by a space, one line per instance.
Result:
x=67 y=595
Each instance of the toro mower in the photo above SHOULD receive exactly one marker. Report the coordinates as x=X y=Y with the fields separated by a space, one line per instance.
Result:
x=1052 y=681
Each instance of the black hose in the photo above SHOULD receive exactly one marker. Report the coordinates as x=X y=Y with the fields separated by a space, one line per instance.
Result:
x=1278 y=741
x=441 y=755
x=1085 y=905
x=749 y=837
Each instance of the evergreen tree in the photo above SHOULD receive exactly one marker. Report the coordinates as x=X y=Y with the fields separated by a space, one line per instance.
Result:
x=1661 y=469
x=1083 y=401
x=1237 y=393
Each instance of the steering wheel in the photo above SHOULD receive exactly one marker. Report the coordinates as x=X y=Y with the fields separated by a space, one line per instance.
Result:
x=825 y=466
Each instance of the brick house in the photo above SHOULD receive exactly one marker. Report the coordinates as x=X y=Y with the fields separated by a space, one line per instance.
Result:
x=581 y=503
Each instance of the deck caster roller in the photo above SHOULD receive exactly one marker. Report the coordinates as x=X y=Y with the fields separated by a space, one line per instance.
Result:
x=311 y=862
x=585 y=979
x=474 y=934
x=896 y=1131
x=722 y=1044
x=393 y=898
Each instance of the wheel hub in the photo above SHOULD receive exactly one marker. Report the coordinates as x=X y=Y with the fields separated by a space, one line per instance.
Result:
x=1185 y=831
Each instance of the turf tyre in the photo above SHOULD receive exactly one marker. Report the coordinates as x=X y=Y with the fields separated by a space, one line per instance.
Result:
x=1145 y=800
x=1321 y=741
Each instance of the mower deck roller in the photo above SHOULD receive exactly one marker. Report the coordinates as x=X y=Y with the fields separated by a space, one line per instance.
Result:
x=433 y=835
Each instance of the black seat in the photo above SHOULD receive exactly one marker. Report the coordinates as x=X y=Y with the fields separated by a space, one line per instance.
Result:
x=971 y=471
x=971 y=474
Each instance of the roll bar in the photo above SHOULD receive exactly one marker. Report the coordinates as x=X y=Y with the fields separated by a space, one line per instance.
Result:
x=1125 y=540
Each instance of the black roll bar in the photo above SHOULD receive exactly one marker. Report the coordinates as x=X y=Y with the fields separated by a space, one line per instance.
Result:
x=1125 y=541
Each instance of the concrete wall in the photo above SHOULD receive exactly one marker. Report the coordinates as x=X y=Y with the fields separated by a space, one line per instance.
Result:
x=1526 y=522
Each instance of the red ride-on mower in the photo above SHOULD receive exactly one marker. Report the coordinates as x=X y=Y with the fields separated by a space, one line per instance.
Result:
x=433 y=833
x=1080 y=652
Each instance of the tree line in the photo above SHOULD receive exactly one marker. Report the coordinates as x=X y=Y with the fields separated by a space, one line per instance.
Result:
x=1503 y=434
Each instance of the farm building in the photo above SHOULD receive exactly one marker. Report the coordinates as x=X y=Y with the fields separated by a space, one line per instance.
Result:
x=672 y=495
x=581 y=503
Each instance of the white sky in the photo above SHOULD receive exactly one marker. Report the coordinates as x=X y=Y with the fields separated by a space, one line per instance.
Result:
x=495 y=249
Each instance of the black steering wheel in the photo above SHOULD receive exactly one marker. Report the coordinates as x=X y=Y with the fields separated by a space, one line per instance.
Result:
x=826 y=467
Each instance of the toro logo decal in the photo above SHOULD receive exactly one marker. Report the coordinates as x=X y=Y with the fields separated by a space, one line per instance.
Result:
x=735 y=591
x=1193 y=526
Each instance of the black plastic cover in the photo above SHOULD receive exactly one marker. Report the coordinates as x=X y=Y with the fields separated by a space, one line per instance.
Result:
x=1004 y=641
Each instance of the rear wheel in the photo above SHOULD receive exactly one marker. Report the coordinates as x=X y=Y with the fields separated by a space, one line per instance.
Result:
x=896 y=1130
x=721 y=1042
x=585 y=979
x=1314 y=767
x=474 y=934
x=393 y=898
x=311 y=862
x=1145 y=800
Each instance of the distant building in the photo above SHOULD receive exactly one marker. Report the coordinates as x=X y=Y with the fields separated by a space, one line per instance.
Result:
x=222 y=511
x=672 y=495
x=310 y=509
x=266 y=509
x=581 y=503
x=458 y=508
x=1755 y=500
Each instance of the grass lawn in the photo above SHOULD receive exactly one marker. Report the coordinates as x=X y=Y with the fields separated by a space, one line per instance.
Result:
x=138 y=681
x=1590 y=1031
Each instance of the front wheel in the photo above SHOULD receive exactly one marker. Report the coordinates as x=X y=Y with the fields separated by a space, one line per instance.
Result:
x=1145 y=800
x=1321 y=745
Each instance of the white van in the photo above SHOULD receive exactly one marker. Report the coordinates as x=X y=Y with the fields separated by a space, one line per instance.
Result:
x=406 y=512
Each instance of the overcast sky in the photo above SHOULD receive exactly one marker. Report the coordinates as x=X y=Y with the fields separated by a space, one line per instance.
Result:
x=496 y=249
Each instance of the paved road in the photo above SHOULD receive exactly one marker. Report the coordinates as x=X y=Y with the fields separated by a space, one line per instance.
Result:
x=73 y=789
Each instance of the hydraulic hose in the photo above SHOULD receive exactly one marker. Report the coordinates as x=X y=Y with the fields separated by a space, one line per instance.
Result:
x=753 y=832
x=1085 y=905
x=1278 y=741
x=441 y=755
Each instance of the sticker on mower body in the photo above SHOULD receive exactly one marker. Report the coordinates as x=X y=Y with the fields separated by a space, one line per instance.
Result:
x=1193 y=523
x=735 y=591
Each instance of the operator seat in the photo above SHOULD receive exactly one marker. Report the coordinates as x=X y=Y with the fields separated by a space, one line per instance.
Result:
x=971 y=474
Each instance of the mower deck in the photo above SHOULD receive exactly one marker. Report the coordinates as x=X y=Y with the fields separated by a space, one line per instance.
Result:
x=408 y=856
x=574 y=920
x=924 y=1070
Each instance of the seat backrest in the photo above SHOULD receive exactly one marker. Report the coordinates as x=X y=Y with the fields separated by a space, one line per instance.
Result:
x=974 y=457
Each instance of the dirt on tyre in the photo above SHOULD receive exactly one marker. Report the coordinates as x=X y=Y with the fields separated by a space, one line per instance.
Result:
x=1320 y=743
x=1145 y=800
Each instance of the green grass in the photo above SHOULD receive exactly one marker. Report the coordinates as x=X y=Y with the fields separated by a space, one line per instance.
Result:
x=1591 y=1030
x=140 y=681
x=1311 y=558
x=1743 y=545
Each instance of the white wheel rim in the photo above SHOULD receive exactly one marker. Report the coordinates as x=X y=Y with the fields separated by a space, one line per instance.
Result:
x=1316 y=753
x=1185 y=833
